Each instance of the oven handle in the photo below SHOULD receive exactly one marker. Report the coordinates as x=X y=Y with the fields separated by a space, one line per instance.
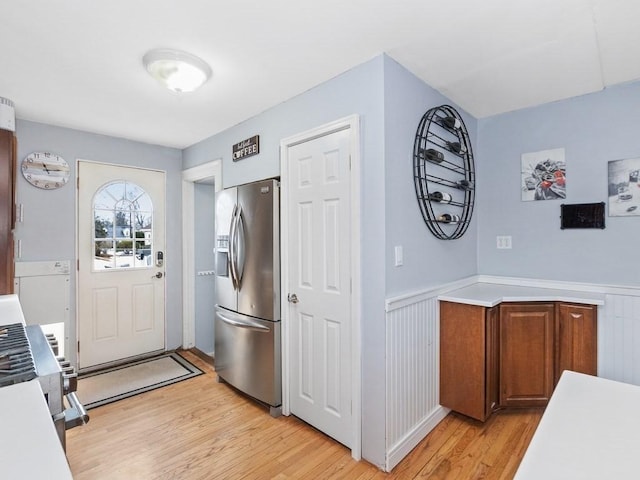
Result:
x=249 y=324
x=76 y=415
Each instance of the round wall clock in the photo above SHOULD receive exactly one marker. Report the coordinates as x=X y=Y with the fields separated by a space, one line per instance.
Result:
x=45 y=170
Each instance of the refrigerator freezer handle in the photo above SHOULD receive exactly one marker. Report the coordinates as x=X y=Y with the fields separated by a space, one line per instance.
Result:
x=246 y=323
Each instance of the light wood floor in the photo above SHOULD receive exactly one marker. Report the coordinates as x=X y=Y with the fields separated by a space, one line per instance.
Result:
x=200 y=429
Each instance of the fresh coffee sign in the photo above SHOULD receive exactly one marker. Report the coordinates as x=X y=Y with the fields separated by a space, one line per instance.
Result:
x=246 y=148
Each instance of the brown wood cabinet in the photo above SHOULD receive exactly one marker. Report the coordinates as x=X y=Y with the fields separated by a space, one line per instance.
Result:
x=469 y=363
x=526 y=354
x=576 y=334
x=7 y=209
x=511 y=355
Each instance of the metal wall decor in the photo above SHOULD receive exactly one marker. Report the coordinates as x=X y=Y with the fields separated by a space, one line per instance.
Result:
x=444 y=173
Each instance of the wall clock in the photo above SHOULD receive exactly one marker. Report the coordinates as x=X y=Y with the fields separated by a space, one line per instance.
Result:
x=45 y=170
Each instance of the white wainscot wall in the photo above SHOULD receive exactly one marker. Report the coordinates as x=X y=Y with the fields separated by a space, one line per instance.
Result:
x=413 y=351
x=619 y=337
x=412 y=370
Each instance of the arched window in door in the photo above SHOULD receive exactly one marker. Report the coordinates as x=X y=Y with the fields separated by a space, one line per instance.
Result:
x=123 y=227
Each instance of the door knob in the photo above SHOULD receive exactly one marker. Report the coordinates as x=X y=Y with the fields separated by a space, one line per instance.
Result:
x=293 y=298
x=157 y=275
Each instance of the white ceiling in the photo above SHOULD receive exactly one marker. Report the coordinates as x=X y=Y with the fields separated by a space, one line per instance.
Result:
x=78 y=63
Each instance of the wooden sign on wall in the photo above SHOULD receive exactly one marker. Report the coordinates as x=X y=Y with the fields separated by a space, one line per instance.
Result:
x=246 y=148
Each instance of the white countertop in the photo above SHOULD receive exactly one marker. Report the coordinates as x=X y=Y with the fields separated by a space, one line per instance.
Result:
x=590 y=430
x=29 y=443
x=491 y=294
x=10 y=310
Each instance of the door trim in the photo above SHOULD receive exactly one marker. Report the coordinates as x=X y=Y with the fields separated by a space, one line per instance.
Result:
x=190 y=176
x=352 y=123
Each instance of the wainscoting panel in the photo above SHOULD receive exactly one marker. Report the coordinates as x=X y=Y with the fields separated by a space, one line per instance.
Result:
x=413 y=351
x=412 y=377
x=619 y=338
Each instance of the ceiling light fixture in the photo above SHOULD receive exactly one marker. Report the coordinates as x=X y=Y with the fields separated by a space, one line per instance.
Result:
x=176 y=70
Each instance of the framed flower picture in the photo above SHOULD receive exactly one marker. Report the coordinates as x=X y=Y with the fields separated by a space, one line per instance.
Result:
x=544 y=175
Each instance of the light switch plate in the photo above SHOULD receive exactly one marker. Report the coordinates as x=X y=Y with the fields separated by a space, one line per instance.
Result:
x=398 y=253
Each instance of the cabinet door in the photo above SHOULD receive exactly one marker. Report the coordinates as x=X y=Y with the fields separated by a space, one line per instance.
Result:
x=526 y=354
x=576 y=337
x=6 y=210
x=463 y=342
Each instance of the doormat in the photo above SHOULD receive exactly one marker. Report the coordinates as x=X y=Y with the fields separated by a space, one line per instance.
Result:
x=117 y=383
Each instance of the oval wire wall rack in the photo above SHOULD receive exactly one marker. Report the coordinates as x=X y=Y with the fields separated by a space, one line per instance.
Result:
x=443 y=166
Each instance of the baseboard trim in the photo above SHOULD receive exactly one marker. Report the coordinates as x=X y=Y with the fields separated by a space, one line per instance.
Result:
x=413 y=438
x=201 y=355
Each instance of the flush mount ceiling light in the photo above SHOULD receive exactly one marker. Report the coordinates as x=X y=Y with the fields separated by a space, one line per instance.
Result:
x=176 y=70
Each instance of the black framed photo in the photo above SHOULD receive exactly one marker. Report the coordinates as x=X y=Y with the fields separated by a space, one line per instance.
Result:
x=582 y=215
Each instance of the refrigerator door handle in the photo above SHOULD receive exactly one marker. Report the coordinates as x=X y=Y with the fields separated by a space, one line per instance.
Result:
x=241 y=248
x=244 y=323
x=232 y=248
x=235 y=246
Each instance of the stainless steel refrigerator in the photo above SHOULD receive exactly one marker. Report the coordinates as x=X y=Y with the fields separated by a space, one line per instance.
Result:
x=247 y=352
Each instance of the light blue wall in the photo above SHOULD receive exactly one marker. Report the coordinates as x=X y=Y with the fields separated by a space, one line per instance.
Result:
x=48 y=231
x=358 y=91
x=428 y=261
x=390 y=101
x=205 y=285
x=593 y=129
x=349 y=93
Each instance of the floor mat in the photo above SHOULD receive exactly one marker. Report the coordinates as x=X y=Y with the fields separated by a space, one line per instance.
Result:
x=113 y=384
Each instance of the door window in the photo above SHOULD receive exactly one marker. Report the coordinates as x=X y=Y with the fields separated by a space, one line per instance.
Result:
x=123 y=227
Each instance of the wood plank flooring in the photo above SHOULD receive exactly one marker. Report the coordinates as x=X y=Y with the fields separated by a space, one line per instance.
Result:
x=200 y=429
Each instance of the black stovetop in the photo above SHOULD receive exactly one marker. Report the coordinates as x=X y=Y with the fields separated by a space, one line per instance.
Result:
x=16 y=359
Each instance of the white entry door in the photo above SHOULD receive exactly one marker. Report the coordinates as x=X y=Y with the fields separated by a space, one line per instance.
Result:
x=319 y=275
x=121 y=244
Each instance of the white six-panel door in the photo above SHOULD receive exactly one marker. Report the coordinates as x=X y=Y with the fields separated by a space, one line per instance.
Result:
x=319 y=276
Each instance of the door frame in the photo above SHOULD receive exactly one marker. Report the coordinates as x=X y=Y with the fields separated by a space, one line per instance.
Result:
x=190 y=176
x=351 y=123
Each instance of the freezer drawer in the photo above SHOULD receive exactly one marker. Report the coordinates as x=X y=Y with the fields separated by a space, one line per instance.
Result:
x=247 y=355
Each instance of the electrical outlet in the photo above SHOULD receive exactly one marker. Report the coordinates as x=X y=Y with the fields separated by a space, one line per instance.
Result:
x=503 y=242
